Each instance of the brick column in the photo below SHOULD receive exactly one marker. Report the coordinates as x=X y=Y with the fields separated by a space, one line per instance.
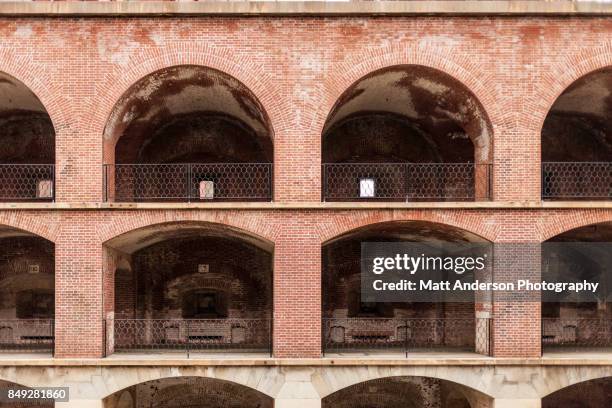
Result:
x=78 y=289
x=516 y=317
x=297 y=290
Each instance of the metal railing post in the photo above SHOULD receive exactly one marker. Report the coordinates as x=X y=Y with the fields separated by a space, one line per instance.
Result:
x=406 y=338
x=271 y=181
x=324 y=174
x=188 y=338
x=188 y=186
x=270 y=338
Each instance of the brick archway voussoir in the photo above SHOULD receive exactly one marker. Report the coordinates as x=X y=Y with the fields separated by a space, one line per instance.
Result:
x=251 y=223
x=340 y=225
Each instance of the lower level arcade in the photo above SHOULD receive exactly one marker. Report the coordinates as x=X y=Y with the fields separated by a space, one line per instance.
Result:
x=296 y=384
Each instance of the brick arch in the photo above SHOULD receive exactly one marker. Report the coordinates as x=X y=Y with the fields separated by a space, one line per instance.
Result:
x=560 y=76
x=356 y=66
x=252 y=224
x=38 y=80
x=560 y=222
x=260 y=379
x=468 y=222
x=44 y=226
x=152 y=59
x=333 y=380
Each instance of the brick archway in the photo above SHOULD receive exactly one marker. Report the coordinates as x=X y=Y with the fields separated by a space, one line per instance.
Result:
x=152 y=59
x=559 y=222
x=37 y=79
x=44 y=227
x=562 y=75
x=355 y=67
x=341 y=225
x=250 y=224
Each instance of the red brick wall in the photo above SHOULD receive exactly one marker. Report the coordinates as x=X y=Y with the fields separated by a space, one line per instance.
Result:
x=297 y=68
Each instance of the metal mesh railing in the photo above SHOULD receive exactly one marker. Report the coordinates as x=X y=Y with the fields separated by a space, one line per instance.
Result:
x=27 y=182
x=577 y=332
x=27 y=335
x=188 y=182
x=190 y=335
x=405 y=335
x=406 y=181
x=577 y=180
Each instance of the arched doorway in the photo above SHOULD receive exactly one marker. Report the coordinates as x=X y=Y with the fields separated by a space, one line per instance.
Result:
x=27 y=152
x=577 y=141
x=351 y=324
x=27 y=292
x=191 y=288
x=579 y=324
x=407 y=132
x=188 y=133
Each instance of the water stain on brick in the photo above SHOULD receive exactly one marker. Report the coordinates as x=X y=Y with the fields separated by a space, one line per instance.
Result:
x=430 y=110
x=191 y=113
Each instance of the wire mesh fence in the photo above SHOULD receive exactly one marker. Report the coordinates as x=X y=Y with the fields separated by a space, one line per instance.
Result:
x=406 y=181
x=189 y=335
x=27 y=182
x=188 y=182
x=576 y=180
x=577 y=332
x=27 y=335
x=406 y=335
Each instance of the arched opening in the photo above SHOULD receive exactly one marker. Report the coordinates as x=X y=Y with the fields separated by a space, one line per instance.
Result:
x=352 y=323
x=577 y=141
x=588 y=394
x=189 y=288
x=27 y=292
x=407 y=132
x=406 y=392
x=188 y=133
x=6 y=387
x=27 y=152
x=584 y=323
x=188 y=392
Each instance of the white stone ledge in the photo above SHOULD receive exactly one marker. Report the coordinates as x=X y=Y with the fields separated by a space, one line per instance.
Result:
x=301 y=8
x=322 y=362
x=304 y=205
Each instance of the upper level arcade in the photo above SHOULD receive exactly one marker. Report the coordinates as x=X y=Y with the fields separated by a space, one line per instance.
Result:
x=407 y=133
x=27 y=145
x=188 y=133
x=577 y=141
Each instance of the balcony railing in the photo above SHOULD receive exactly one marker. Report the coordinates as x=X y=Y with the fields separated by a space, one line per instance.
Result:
x=27 y=335
x=407 y=182
x=188 y=182
x=577 y=180
x=27 y=182
x=189 y=335
x=577 y=332
x=406 y=335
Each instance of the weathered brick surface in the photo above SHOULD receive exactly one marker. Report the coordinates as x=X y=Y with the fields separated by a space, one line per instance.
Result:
x=297 y=68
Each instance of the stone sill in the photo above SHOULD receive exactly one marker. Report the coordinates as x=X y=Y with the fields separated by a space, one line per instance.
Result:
x=302 y=8
x=302 y=205
x=275 y=362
